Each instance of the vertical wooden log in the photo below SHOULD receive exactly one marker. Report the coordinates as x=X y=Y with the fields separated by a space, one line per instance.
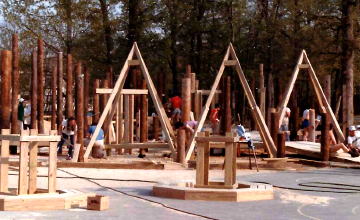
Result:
x=156 y=128
x=271 y=91
x=86 y=98
x=268 y=119
x=53 y=99
x=222 y=104
x=197 y=106
x=327 y=88
x=126 y=118
x=59 y=92
x=131 y=122
x=15 y=83
x=312 y=125
x=33 y=151
x=262 y=90
x=80 y=110
x=274 y=126
x=186 y=100
x=5 y=69
x=227 y=104
x=119 y=124
x=206 y=159
x=52 y=164
x=23 y=164
x=33 y=92
x=181 y=137
x=40 y=79
x=96 y=101
x=103 y=101
x=143 y=118
x=69 y=108
x=281 y=138
x=4 y=165
x=229 y=152
x=192 y=89
x=200 y=160
x=293 y=116
x=325 y=137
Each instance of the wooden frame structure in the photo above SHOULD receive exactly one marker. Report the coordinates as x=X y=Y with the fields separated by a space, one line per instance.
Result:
x=115 y=96
x=263 y=130
x=304 y=63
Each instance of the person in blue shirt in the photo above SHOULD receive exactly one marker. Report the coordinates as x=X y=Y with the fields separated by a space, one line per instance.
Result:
x=98 y=148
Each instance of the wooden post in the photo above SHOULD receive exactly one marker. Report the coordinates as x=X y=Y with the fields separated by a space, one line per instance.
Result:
x=52 y=164
x=227 y=104
x=53 y=99
x=86 y=98
x=69 y=108
x=206 y=159
x=197 y=106
x=200 y=168
x=143 y=118
x=193 y=82
x=268 y=119
x=23 y=164
x=40 y=79
x=325 y=139
x=103 y=103
x=15 y=83
x=274 y=126
x=230 y=153
x=59 y=92
x=222 y=104
x=119 y=124
x=181 y=137
x=312 y=125
x=270 y=89
x=186 y=100
x=96 y=101
x=4 y=165
x=80 y=110
x=155 y=128
x=33 y=151
x=327 y=88
x=33 y=92
x=281 y=138
x=5 y=69
x=131 y=122
x=294 y=115
x=262 y=90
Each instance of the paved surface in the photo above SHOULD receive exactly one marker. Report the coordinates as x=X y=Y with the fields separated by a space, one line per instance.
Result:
x=315 y=194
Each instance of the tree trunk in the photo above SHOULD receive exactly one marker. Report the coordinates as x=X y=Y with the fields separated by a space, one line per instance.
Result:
x=107 y=31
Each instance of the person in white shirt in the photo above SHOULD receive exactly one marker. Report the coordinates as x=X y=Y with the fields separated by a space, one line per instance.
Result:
x=285 y=123
x=353 y=140
x=69 y=131
x=27 y=115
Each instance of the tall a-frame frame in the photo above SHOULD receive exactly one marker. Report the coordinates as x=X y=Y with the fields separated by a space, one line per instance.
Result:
x=304 y=63
x=263 y=130
x=116 y=93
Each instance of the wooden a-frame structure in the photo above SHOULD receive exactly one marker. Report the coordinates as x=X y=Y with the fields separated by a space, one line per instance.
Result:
x=256 y=113
x=304 y=63
x=134 y=59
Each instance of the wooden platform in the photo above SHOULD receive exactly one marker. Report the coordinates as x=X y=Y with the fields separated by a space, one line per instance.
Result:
x=312 y=149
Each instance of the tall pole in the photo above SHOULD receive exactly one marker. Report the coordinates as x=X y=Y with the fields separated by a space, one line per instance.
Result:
x=96 y=101
x=69 y=109
x=53 y=99
x=86 y=97
x=15 y=83
x=33 y=91
x=227 y=104
x=186 y=95
x=5 y=64
x=143 y=118
x=40 y=79
x=80 y=110
x=59 y=92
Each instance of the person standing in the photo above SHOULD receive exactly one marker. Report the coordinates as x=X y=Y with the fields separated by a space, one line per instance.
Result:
x=68 y=132
x=285 y=123
x=176 y=104
x=21 y=114
x=27 y=115
x=214 y=119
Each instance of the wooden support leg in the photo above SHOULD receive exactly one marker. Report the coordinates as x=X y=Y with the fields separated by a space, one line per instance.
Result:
x=52 y=167
x=281 y=145
x=312 y=125
x=131 y=122
x=4 y=165
x=181 y=136
x=24 y=151
x=325 y=140
x=206 y=159
x=119 y=124
x=127 y=118
x=33 y=163
x=200 y=161
x=228 y=164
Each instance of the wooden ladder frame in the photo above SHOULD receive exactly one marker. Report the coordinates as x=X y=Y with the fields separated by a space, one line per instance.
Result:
x=324 y=104
x=116 y=94
x=256 y=113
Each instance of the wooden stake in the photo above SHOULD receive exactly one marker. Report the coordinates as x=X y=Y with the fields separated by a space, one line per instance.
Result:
x=143 y=118
x=96 y=101
x=86 y=98
x=15 y=83
x=312 y=125
x=274 y=126
x=325 y=138
x=281 y=138
x=227 y=104
x=186 y=99
x=80 y=109
x=33 y=91
x=269 y=114
x=40 y=79
x=69 y=108
x=155 y=128
x=53 y=99
x=181 y=137
x=59 y=92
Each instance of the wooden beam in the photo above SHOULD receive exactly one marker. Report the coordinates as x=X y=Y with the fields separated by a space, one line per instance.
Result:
x=303 y=66
x=15 y=83
x=200 y=158
x=23 y=165
x=4 y=165
x=52 y=164
x=217 y=138
x=33 y=150
x=134 y=62
x=124 y=91
x=138 y=145
x=205 y=92
x=230 y=62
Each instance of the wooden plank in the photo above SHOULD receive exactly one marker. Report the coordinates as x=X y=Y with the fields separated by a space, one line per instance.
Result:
x=206 y=159
x=165 y=123
x=76 y=152
x=110 y=101
x=4 y=164
x=107 y=165
x=205 y=109
x=230 y=63
x=126 y=122
x=328 y=109
x=229 y=163
x=10 y=137
x=119 y=123
x=24 y=150
x=131 y=112
x=40 y=138
x=303 y=66
x=217 y=138
x=289 y=88
x=33 y=150
x=52 y=166
x=123 y=91
x=200 y=161
x=205 y=92
x=134 y=62
x=138 y=145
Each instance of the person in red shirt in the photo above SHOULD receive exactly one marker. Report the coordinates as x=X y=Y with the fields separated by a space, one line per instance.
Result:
x=214 y=119
x=176 y=104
